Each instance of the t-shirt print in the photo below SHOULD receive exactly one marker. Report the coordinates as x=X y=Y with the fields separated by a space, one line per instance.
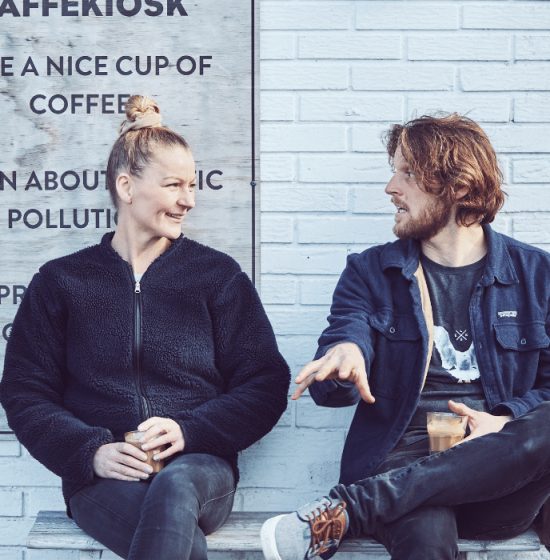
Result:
x=459 y=364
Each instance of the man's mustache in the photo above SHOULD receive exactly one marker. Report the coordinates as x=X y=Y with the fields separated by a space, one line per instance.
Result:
x=398 y=202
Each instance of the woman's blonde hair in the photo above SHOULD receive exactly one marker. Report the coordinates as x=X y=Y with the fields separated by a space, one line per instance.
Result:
x=139 y=134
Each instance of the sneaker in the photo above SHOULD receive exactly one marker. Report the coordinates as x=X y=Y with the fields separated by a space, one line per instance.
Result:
x=315 y=530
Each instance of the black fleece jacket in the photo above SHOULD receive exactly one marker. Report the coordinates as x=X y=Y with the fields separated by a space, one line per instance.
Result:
x=91 y=355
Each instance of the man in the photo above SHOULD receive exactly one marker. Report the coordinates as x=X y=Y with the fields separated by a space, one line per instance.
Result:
x=451 y=315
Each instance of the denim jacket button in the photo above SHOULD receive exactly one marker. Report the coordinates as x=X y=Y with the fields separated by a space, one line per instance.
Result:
x=392 y=329
x=523 y=341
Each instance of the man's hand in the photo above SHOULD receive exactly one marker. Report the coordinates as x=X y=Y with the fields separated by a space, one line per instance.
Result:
x=480 y=423
x=343 y=361
x=122 y=461
x=170 y=434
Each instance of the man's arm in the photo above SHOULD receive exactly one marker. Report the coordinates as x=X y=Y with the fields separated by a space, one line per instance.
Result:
x=338 y=374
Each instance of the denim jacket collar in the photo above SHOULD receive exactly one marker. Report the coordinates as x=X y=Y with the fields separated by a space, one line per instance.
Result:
x=405 y=254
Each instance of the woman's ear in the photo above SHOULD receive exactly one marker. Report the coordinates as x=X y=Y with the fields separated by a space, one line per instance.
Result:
x=461 y=193
x=124 y=188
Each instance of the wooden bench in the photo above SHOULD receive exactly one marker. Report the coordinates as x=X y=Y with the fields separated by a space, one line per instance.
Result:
x=241 y=533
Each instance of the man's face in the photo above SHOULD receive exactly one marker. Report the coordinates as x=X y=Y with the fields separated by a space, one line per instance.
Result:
x=420 y=215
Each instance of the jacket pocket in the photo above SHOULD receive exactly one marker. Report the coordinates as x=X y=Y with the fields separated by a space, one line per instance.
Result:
x=518 y=348
x=522 y=338
x=395 y=353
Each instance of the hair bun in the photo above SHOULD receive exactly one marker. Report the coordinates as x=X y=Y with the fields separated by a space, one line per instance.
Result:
x=141 y=112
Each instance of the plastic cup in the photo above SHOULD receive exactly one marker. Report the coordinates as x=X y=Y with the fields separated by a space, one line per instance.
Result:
x=445 y=430
x=133 y=438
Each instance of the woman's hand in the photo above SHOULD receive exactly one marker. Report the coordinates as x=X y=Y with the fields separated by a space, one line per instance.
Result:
x=170 y=434
x=122 y=461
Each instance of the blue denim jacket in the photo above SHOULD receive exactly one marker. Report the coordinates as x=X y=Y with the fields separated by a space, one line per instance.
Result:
x=377 y=305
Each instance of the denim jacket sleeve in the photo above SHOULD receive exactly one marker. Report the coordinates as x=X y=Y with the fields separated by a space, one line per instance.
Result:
x=352 y=305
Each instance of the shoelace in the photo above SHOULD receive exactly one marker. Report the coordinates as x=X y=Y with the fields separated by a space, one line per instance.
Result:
x=325 y=527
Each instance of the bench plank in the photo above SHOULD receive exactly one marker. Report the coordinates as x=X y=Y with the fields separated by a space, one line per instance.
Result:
x=54 y=530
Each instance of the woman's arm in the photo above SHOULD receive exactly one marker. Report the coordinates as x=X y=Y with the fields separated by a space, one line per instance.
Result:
x=256 y=375
x=32 y=387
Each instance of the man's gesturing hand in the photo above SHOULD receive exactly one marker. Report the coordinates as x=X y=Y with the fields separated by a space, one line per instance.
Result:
x=343 y=361
x=480 y=423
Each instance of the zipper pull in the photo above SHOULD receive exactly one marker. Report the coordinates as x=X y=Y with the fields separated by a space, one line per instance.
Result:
x=137 y=289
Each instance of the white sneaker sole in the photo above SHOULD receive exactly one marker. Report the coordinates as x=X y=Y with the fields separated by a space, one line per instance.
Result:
x=267 y=538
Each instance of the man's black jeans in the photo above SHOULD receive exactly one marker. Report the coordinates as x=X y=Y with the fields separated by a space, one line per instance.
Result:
x=165 y=519
x=491 y=487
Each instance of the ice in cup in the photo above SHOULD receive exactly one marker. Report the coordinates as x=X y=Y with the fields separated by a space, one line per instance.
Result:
x=445 y=430
x=133 y=438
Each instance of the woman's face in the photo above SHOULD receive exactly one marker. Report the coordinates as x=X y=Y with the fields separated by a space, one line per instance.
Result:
x=164 y=193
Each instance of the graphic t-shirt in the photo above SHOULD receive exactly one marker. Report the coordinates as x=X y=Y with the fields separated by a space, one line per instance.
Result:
x=453 y=372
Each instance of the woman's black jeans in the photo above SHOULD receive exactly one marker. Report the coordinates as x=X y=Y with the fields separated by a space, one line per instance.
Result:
x=165 y=519
x=491 y=487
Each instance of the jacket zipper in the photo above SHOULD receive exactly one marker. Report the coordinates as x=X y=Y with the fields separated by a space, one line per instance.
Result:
x=144 y=405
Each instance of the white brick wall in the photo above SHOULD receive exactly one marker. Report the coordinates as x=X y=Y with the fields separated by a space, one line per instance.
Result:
x=335 y=73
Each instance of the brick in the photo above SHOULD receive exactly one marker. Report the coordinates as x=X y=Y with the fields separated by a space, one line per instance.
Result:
x=304 y=198
x=302 y=260
x=9 y=553
x=296 y=75
x=11 y=503
x=502 y=224
x=400 y=15
x=519 y=15
x=520 y=138
x=480 y=108
x=305 y=15
x=277 y=500
x=532 y=229
x=276 y=107
x=298 y=320
x=317 y=291
x=347 y=45
x=14 y=531
x=505 y=78
x=277 y=229
x=299 y=350
x=25 y=471
x=532 y=170
x=346 y=230
x=309 y=415
x=465 y=46
x=357 y=107
x=277 y=167
x=277 y=46
x=286 y=419
x=50 y=499
x=303 y=138
x=312 y=454
x=10 y=448
x=528 y=199
x=371 y=200
x=402 y=78
x=350 y=169
x=533 y=107
x=532 y=47
x=368 y=138
x=278 y=288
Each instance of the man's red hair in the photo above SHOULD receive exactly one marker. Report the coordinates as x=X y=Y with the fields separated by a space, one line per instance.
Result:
x=447 y=153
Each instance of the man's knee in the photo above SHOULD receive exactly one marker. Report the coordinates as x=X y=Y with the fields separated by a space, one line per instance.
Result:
x=427 y=533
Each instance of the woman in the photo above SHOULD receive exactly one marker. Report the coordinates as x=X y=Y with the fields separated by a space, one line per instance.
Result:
x=151 y=331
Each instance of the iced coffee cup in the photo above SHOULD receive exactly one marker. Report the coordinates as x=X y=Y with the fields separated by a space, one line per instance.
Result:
x=133 y=438
x=445 y=430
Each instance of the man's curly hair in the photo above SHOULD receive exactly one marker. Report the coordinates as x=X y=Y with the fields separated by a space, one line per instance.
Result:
x=447 y=152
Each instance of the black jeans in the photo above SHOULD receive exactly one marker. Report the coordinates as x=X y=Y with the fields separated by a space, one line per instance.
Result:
x=491 y=487
x=165 y=519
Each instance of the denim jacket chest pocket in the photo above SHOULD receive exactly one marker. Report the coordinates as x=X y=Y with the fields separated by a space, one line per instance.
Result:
x=396 y=351
x=519 y=345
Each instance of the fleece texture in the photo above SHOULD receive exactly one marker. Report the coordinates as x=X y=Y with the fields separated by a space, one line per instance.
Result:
x=209 y=357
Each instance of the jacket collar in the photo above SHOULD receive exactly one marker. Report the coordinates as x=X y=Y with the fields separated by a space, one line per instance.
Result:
x=107 y=249
x=405 y=254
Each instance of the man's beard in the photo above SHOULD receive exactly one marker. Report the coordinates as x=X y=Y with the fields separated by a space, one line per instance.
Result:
x=430 y=222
